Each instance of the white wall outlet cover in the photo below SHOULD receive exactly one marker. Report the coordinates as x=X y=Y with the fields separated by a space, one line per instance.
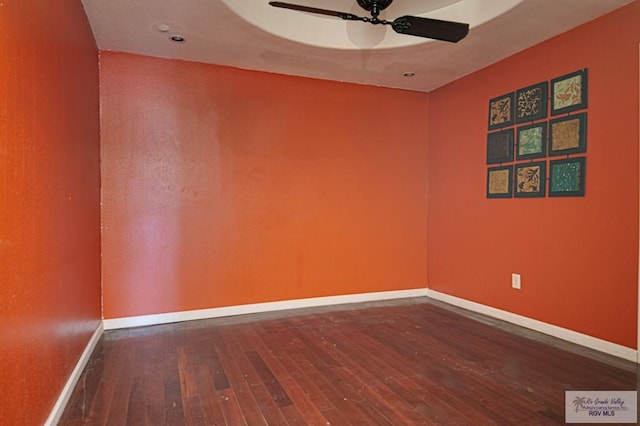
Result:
x=515 y=281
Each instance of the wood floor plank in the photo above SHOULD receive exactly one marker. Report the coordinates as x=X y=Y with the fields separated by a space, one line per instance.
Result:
x=282 y=345
x=278 y=394
x=193 y=411
x=174 y=410
x=253 y=340
x=293 y=416
x=135 y=410
x=209 y=397
x=231 y=410
x=153 y=393
x=110 y=401
x=188 y=381
x=311 y=390
x=204 y=347
x=268 y=407
x=413 y=362
x=233 y=354
x=309 y=411
x=242 y=381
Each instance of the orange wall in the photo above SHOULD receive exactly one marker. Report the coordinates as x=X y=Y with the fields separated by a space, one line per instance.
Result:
x=224 y=187
x=49 y=202
x=578 y=256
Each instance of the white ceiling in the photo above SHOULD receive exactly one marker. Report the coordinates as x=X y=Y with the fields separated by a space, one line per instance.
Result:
x=263 y=37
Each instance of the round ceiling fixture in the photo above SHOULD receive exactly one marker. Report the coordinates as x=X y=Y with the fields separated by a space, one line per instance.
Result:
x=330 y=32
x=177 y=38
x=163 y=28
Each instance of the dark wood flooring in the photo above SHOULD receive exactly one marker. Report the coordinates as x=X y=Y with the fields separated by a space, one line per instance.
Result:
x=413 y=361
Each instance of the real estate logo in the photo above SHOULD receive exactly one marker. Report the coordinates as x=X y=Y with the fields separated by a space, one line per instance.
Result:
x=601 y=406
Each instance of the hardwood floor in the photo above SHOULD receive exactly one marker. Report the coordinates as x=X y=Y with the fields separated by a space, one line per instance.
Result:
x=387 y=363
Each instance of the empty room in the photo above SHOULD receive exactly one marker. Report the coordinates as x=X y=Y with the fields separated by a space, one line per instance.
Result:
x=319 y=212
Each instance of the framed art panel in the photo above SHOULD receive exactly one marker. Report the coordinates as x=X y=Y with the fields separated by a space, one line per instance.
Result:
x=568 y=135
x=530 y=179
x=531 y=102
x=569 y=92
x=500 y=147
x=567 y=177
x=531 y=141
x=499 y=182
x=501 y=111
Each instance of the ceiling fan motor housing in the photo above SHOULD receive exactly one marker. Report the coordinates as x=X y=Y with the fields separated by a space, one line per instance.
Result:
x=370 y=5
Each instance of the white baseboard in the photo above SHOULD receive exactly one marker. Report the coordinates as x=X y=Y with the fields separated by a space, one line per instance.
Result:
x=138 y=321
x=542 y=327
x=61 y=403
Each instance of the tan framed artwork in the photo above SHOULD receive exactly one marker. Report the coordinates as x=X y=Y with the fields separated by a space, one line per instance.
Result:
x=501 y=111
x=568 y=135
x=500 y=182
x=530 y=179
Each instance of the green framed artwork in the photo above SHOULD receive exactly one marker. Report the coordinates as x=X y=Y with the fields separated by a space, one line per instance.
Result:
x=501 y=111
x=500 y=147
x=500 y=182
x=568 y=135
x=531 y=102
x=567 y=177
x=531 y=141
x=530 y=179
x=569 y=92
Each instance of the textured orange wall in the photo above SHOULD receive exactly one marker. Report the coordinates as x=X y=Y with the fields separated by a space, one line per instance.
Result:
x=578 y=256
x=49 y=202
x=224 y=187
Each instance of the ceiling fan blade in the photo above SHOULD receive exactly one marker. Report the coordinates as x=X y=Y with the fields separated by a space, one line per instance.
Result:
x=341 y=15
x=431 y=28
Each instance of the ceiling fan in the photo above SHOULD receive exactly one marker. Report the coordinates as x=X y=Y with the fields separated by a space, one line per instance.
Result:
x=411 y=25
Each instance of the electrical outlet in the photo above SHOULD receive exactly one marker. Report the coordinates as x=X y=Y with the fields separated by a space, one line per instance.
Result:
x=515 y=281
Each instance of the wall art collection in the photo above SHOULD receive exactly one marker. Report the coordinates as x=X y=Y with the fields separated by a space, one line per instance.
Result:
x=522 y=133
